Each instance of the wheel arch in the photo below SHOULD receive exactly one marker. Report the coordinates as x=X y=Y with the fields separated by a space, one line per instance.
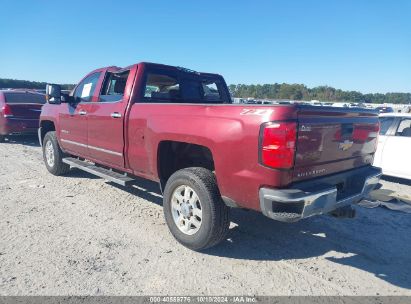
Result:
x=45 y=127
x=175 y=155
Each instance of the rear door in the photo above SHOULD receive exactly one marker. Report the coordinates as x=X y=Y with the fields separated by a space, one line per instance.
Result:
x=74 y=116
x=333 y=140
x=396 y=160
x=106 y=119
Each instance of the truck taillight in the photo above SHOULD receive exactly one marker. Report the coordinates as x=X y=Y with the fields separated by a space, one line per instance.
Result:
x=6 y=111
x=278 y=142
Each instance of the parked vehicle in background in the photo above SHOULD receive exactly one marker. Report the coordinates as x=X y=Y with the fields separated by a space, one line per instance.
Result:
x=19 y=112
x=384 y=109
x=394 y=145
x=178 y=127
x=252 y=101
x=316 y=103
x=340 y=105
x=358 y=105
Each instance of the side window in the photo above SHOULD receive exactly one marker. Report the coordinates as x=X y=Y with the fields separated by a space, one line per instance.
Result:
x=386 y=123
x=211 y=92
x=85 y=89
x=404 y=129
x=114 y=86
x=162 y=87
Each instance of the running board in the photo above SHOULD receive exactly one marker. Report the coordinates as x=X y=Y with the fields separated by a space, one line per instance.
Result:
x=107 y=174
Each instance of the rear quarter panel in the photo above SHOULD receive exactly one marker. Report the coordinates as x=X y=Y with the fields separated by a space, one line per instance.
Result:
x=231 y=132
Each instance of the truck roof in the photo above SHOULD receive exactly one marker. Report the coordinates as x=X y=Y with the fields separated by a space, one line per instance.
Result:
x=171 y=67
x=158 y=65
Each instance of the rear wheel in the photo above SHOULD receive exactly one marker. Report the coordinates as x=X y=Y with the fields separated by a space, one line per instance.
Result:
x=194 y=211
x=53 y=155
x=2 y=138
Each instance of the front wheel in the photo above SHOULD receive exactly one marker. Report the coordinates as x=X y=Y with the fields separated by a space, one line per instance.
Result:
x=194 y=211
x=53 y=155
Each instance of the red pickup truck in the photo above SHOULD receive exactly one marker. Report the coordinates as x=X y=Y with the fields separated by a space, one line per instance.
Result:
x=180 y=128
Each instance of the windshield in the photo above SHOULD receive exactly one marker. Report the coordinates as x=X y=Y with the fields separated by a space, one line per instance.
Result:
x=184 y=87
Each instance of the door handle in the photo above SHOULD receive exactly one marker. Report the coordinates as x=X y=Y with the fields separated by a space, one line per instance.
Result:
x=115 y=115
x=82 y=112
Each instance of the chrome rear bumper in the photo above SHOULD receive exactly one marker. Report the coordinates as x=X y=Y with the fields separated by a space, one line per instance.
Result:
x=290 y=205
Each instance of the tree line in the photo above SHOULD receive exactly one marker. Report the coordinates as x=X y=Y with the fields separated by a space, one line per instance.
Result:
x=321 y=93
x=26 y=84
x=265 y=91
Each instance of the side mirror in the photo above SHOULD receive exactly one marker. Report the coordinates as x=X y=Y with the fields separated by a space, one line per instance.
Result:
x=53 y=93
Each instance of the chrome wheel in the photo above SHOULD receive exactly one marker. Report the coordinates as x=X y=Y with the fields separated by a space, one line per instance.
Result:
x=49 y=153
x=186 y=210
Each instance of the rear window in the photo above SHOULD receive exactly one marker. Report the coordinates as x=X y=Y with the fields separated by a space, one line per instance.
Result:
x=25 y=98
x=184 y=87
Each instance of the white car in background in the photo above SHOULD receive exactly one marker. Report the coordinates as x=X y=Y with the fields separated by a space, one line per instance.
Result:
x=394 y=145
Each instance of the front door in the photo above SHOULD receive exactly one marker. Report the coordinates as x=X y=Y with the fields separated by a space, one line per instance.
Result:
x=74 y=117
x=106 y=119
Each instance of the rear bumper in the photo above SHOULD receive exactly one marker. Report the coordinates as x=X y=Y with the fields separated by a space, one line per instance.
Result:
x=11 y=126
x=318 y=196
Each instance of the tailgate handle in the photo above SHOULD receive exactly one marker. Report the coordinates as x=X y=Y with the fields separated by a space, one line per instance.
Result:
x=82 y=112
x=116 y=115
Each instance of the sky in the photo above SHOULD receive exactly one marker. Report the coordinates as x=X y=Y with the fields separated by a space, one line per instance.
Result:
x=360 y=45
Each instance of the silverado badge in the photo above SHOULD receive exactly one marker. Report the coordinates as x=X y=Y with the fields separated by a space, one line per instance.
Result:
x=345 y=145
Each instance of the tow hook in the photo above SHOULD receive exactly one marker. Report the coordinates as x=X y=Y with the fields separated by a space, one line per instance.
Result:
x=343 y=212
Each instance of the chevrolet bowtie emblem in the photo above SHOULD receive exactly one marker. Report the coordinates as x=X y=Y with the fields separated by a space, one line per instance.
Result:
x=345 y=145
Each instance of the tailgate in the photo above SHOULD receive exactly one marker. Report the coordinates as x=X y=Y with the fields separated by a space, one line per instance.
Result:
x=332 y=140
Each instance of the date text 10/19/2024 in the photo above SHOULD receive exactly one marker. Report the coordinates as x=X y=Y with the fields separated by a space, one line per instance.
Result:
x=203 y=299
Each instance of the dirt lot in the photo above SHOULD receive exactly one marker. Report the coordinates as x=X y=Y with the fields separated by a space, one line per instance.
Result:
x=77 y=235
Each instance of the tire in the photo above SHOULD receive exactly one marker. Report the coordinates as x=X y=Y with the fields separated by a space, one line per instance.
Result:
x=2 y=138
x=51 y=149
x=215 y=220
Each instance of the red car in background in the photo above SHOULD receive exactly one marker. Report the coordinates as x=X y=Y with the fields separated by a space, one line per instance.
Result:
x=19 y=112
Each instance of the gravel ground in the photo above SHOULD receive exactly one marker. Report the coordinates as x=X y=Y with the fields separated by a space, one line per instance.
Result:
x=77 y=235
